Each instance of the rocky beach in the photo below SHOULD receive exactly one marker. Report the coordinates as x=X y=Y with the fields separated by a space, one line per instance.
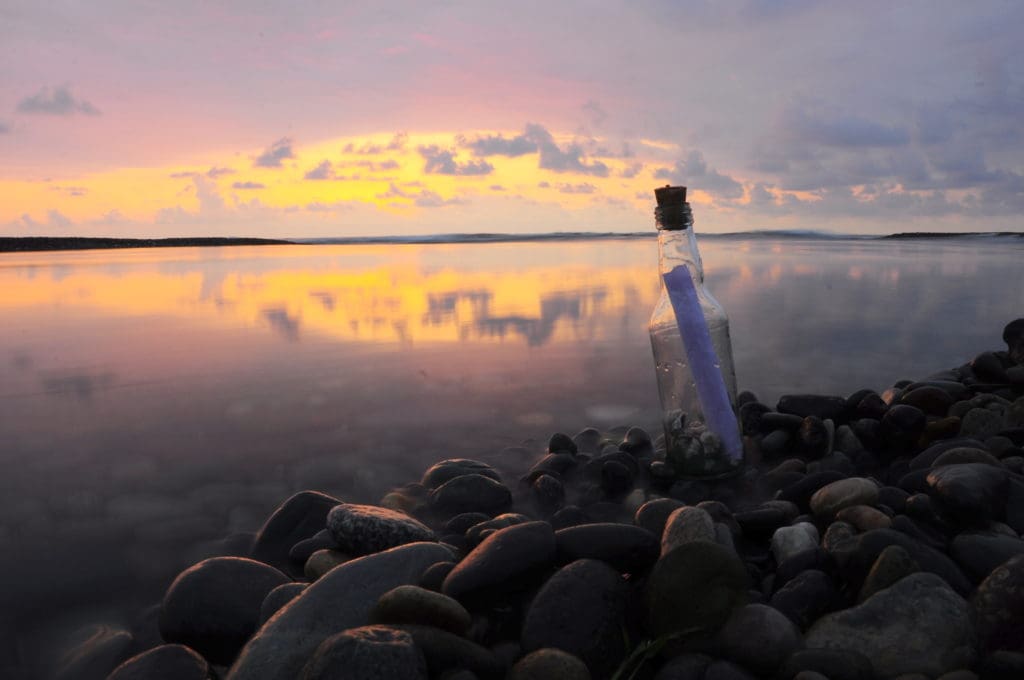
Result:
x=875 y=535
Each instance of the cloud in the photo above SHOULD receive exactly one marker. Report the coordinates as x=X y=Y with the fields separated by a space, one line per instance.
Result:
x=430 y=199
x=631 y=171
x=397 y=143
x=570 y=159
x=248 y=185
x=695 y=173
x=838 y=130
x=215 y=172
x=275 y=153
x=496 y=187
x=70 y=191
x=498 y=145
x=56 y=102
x=336 y=206
x=321 y=172
x=584 y=188
x=4 y=128
x=442 y=162
x=54 y=220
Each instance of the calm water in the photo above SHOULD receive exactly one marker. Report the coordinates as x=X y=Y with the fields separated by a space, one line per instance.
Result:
x=154 y=401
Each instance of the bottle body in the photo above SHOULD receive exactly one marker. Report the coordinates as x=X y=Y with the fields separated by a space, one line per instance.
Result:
x=692 y=447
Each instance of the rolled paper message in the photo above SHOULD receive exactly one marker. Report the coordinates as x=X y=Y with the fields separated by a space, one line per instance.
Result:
x=700 y=353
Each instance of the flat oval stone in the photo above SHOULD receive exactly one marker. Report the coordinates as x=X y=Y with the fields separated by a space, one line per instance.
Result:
x=471 y=493
x=806 y=596
x=653 y=514
x=979 y=554
x=366 y=529
x=166 y=662
x=792 y=540
x=439 y=473
x=549 y=663
x=446 y=652
x=758 y=637
x=214 y=606
x=972 y=492
x=580 y=611
x=322 y=561
x=367 y=653
x=832 y=498
x=999 y=607
x=502 y=560
x=99 y=650
x=864 y=517
x=278 y=598
x=412 y=604
x=628 y=549
x=298 y=518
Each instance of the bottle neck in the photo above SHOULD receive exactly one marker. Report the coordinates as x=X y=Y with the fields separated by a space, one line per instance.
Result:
x=679 y=247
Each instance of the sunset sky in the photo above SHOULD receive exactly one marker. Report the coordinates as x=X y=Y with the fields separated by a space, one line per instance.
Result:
x=318 y=119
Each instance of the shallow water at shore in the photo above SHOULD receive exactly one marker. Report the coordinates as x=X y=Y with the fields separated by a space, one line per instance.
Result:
x=154 y=401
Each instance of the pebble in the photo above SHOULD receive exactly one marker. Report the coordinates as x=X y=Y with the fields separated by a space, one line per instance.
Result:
x=835 y=664
x=821 y=406
x=562 y=442
x=471 y=493
x=214 y=606
x=502 y=561
x=165 y=662
x=801 y=492
x=963 y=454
x=654 y=514
x=981 y=423
x=551 y=663
x=340 y=600
x=974 y=493
x=302 y=550
x=367 y=653
x=892 y=564
x=917 y=625
x=790 y=540
x=446 y=652
x=806 y=597
x=579 y=610
x=100 y=649
x=979 y=554
x=864 y=517
x=322 y=561
x=687 y=524
x=694 y=587
x=446 y=470
x=758 y=637
x=998 y=606
x=412 y=604
x=277 y=598
x=832 y=498
x=298 y=518
x=626 y=548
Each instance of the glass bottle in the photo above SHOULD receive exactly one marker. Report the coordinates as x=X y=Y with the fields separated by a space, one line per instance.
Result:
x=696 y=378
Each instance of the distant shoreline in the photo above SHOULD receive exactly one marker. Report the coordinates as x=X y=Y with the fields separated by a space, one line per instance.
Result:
x=26 y=244
x=53 y=243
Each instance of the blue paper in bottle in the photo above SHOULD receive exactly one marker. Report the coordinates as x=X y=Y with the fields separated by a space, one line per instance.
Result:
x=700 y=353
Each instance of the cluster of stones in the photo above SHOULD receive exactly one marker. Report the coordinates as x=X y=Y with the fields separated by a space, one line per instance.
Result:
x=872 y=536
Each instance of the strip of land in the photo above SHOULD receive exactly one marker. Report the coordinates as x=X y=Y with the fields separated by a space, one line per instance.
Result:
x=35 y=243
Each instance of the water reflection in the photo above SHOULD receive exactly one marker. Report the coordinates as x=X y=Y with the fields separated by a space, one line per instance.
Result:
x=154 y=401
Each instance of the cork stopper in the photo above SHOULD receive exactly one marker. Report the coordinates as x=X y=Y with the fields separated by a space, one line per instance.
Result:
x=673 y=212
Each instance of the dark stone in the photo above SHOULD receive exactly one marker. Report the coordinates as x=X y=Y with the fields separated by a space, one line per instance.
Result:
x=893 y=563
x=277 y=598
x=921 y=531
x=781 y=421
x=1013 y=336
x=872 y=406
x=726 y=670
x=956 y=389
x=868 y=431
x=917 y=625
x=893 y=497
x=979 y=554
x=745 y=397
x=758 y=637
x=934 y=401
x=549 y=493
x=446 y=652
x=813 y=438
x=989 y=368
x=479 y=532
x=925 y=459
x=803 y=405
x=367 y=653
x=915 y=481
x=503 y=561
x=804 y=598
x=569 y=516
x=562 y=442
x=321 y=540
x=637 y=442
x=553 y=463
x=95 y=652
x=587 y=440
x=166 y=662
x=981 y=423
x=297 y=519
x=365 y=529
x=800 y=493
x=214 y=606
x=1015 y=504
x=629 y=549
x=817 y=559
x=616 y=479
x=549 y=663
x=341 y=599
x=433 y=578
x=412 y=604
x=835 y=664
x=764 y=519
x=471 y=493
x=902 y=425
x=694 y=588
x=579 y=610
x=446 y=470
x=776 y=444
x=462 y=522
x=750 y=417
x=653 y=514
x=974 y=493
x=962 y=454
x=1002 y=665
x=868 y=546
x=998 y=607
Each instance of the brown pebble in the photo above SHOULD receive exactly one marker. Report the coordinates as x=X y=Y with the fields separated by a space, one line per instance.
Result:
x=864 y=517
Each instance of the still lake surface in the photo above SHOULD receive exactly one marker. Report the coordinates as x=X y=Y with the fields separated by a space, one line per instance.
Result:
x=154 y=401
